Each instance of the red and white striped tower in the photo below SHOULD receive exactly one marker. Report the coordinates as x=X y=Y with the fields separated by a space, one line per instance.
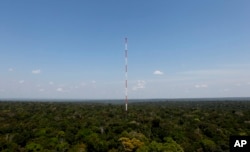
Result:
x=126 y=74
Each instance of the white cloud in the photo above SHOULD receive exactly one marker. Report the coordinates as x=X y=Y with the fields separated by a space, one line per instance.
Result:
x=157 y=72
x=41 y=90
x=73 y=87
x=10 y=70
x=51 y=83
x=82 y=84
x=93 y=85
x=59 y=89
x=38 y=71
x=21 y=81
x=200 y=86
x=140 y=85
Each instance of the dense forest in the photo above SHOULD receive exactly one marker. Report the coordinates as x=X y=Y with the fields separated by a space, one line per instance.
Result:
x=189 y=126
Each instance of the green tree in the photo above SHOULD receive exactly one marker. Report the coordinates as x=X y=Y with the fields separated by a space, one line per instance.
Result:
x=33 y=147
x=208 y=145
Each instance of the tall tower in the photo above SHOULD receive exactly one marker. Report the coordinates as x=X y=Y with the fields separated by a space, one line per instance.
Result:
x=126 y=74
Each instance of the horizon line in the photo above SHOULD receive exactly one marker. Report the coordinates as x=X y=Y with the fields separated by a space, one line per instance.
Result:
x=118 y=99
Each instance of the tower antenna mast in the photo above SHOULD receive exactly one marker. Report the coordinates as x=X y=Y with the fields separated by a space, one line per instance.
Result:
x=126 y=74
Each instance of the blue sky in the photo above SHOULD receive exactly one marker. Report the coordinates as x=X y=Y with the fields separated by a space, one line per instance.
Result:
x=75 y=49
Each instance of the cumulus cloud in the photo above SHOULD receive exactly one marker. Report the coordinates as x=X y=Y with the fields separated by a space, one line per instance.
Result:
x=38 y=71
x=140 y=85
x=59 y=89
x=63 y=89
x=200 y=86
x=93 y=81
x=157 y=72
x=21 y=81
x=10 y=70
x=51 y=83
x=41 y=90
